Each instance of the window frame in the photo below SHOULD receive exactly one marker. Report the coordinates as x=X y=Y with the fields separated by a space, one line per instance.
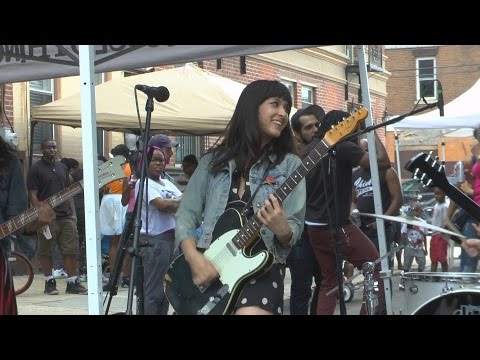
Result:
x=432 y=77
x=291 y=88
x=310 y=101
x=100 y=79
x=46 y=128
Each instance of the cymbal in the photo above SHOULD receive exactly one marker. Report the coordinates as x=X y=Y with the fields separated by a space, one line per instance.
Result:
x=413 y=220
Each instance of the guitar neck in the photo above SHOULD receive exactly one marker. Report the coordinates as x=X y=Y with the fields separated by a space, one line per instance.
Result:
x=252 y=227
x=464 y=201
x=31 y=214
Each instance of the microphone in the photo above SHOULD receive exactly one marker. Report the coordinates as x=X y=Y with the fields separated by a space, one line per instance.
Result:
x=440 y=98
x=160 y=93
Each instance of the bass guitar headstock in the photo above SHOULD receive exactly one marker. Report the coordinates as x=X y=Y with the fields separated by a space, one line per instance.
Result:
x=429 y=171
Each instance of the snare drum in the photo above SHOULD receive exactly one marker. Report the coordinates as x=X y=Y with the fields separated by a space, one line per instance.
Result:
x=441 y=293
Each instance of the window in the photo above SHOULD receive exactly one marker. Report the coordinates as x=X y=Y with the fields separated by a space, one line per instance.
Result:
x=351 y=52
x=307 y=96
x=426 y=74
x=188 y=145
x=41 y=92
x=291 y=87
x=375 y=58
x=99 y=79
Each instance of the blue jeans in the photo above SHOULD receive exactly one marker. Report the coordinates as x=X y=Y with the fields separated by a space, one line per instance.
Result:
x=303 y=266
x=468 y=263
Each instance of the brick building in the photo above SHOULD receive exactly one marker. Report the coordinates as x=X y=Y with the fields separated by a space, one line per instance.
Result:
x=314 y=76
x=412 y=68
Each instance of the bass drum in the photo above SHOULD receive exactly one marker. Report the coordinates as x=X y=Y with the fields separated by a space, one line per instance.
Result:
x=459 y=302
x=422 y=287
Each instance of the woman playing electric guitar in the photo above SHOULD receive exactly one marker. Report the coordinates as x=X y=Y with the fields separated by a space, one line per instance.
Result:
x=238 y=178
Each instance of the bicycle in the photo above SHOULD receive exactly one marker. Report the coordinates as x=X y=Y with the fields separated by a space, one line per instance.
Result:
x=22 y=272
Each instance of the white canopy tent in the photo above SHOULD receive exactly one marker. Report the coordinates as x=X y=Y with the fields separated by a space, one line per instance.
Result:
x=34 y=62
x=462 y=112
x=200 y=103
x=461 y=116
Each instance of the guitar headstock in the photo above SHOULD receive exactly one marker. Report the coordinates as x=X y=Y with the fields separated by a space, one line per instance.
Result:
x=429 y=171
x=346 y=126
x=111 y=170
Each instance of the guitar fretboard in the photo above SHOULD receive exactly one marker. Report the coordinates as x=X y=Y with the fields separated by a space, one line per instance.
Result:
x=31 y=214
x=465 y=202
x=252 y=227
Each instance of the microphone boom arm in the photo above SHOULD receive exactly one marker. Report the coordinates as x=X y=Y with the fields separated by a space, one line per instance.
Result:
x=389 y=122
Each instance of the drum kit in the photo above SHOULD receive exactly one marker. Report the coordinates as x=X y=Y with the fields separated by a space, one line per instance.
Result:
x=427 y=293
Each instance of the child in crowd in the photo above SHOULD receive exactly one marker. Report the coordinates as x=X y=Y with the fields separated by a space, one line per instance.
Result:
x=439 y=241
x=416 y=242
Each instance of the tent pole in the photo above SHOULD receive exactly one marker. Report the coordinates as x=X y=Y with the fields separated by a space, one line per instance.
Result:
x=377 y=197
x=90 y=176
x=443 y=146
x=397 y=153
x=32 y=133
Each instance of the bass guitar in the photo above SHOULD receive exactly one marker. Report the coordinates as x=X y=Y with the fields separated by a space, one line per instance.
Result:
x=431 y=173
x=234 y=238
x=107 y=172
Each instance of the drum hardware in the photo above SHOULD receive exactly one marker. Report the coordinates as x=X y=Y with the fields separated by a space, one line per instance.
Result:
x=447 y=289
x=441 y=293
x=370 y=286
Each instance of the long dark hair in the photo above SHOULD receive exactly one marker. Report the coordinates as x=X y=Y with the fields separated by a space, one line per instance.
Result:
x=242 y=136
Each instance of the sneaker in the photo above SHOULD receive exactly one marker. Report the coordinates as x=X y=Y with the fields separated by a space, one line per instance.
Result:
x=82 y=278
x=125 y=283
x=59 y=273
x=51 y=287
x=76 y=288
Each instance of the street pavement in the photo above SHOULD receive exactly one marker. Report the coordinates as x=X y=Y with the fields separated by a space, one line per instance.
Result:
x=35 y=302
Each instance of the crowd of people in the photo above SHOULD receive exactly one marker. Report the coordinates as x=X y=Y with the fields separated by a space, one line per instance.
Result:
x=307 y=227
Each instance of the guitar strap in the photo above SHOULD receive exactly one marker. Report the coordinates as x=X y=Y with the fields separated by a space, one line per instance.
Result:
x=249 y=202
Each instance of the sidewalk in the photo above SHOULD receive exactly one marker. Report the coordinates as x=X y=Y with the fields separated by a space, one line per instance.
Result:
x=35 y=302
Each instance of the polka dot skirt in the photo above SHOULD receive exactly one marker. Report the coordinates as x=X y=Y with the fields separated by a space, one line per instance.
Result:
x=265 y=291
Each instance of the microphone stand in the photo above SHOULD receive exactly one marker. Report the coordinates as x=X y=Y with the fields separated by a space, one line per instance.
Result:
x=389 y=122
x=338 y=242
x=135 y=251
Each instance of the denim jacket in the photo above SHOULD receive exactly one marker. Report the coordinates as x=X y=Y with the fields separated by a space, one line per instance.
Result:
x=206 y=197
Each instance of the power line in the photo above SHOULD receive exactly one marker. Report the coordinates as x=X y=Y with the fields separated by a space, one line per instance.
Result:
x=443 y=73
x=434 y=67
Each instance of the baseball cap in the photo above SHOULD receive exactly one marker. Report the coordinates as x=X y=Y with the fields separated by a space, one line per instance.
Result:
x=162 y=140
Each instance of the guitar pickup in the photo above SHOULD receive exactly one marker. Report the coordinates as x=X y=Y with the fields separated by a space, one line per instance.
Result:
x=213 y=301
